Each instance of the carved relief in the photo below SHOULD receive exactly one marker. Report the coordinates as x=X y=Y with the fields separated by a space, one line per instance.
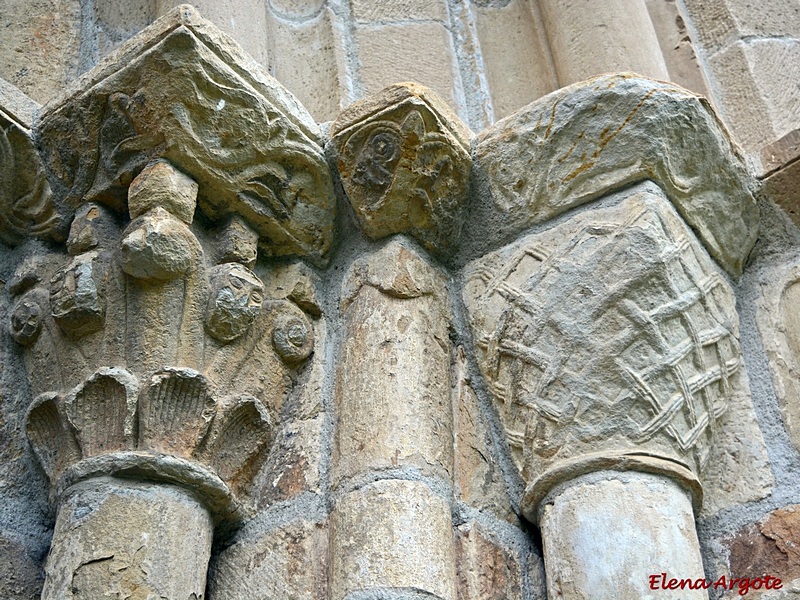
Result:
x=234 y=302
x=596 y=137
x=611 y=334
x=26 y=202
x=199 y=411
x=177 y=93
x=404 y=162
x=77 y=299
x=159 y=366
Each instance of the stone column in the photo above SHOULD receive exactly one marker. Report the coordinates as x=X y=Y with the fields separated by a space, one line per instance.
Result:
x=588 y=38
x=609 y=338
x=404 y=165
x=606 y=535
x=157 y=367
x=393 y=454
x=135 y=539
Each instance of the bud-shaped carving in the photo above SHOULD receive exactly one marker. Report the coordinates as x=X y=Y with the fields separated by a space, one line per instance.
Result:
x=404 y=161
x=77 y=298
x=158 y=246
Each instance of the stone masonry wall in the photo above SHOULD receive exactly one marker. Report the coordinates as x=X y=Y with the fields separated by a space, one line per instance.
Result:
x=427 y=344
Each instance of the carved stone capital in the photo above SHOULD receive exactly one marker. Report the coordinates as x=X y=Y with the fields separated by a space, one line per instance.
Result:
x=147 y=359
x=182 y=91
x=593 y=138
x=609 y=341
x=404 y=161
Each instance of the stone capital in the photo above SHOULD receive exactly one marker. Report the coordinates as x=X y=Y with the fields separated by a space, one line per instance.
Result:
x=182 y=91
x=403 y=157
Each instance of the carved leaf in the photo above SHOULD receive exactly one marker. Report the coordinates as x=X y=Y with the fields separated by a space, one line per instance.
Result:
x=52 y=442
x=243 y=433
x=102 y=411
x=175 y=411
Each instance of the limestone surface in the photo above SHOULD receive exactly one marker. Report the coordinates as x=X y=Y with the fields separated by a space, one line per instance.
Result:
x=182 y=91
x=26 y=202
x=601 y=538
x=779 y=324
x=587 y=140
x=130 y=539
x=404 y=162
x=392 y=535
x=486 y=570
x=392 y=388
x=610 y=333
x=289 y=561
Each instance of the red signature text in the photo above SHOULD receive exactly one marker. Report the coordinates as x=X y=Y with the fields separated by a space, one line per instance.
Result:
x=743 y=585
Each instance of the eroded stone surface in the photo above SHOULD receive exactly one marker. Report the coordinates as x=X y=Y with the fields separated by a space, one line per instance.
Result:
x=610 y=333
x=601 y=538
x=27 y=204
x=403 y=157
x=392 y=388
x=130 y=539
x=479 y=480
x=738 y=469
x=587 y=140
x=392 y=535
x=293 y=466
x=21 y=575
x=768 y=547
x=160 y=184
x=486 y=571
x=181 y=91
x=234 y=302
x=287 y=562
x=778 y=319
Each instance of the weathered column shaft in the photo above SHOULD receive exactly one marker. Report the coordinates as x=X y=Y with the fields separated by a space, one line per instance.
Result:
x=393 y=455
x=588 y=38
x=135 y=539
x=606 y=535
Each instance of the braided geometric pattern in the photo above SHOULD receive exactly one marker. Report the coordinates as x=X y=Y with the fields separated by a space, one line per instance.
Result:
x=611 y=331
